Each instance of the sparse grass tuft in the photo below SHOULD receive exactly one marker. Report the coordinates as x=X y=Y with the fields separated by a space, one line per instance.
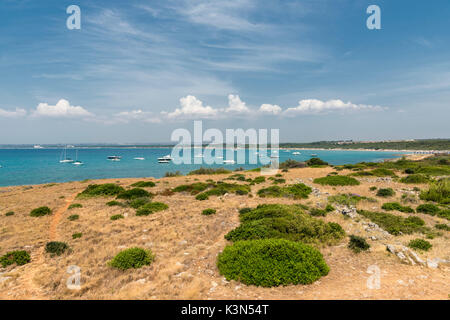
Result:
x=73 y=217
x=10 y=213
x=77 y=235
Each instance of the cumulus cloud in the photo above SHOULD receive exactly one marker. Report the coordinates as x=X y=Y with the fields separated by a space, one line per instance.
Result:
x=236 y=105
x=191 y=107
x=62 y=109
x=139 y=115
x=314 y=106
x=270 y=109
x=13 y=114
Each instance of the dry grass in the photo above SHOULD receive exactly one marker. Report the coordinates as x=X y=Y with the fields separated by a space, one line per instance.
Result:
x=186 y=244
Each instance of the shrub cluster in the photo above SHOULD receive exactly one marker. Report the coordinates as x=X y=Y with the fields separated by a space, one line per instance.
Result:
x=284 y=222
x=117 y=217
x=271 y=262
x=291 y=164
x=101 y=190
x=348 y=199
x=172 y=174
x=415 y=178
x=77 y=235
x=438 y=192
x=337 y=181
x=138 y=202
x=390 y=206
x=143 y=184
x=442 y=226
x=132 y=258
x=210 y=171
x=222 y=188
x=420 y=244
x=194 y=188
x=134 y=194
x=73 y=217
x=19 y=257
x=385 y=192
x=75 y=205
x=315 y=162
x=395 y=225
x=10 y=213
x=295 y=191
x=41 y=211
x=56 y=247
x=114 y=203
x=358 y=244
x=433 y=210
x=208 y=212
x=150 y=208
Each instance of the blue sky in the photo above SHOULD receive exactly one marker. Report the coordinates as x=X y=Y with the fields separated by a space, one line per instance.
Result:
x=137 y=70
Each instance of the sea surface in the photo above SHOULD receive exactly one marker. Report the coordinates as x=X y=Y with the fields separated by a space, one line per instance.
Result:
x=40 y=166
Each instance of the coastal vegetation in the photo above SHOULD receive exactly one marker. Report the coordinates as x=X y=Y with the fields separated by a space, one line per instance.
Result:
x=210 y=171
x=101 y=190
x=415 y=179
x=143 y=184
x=420 y=244
x=116 y=217
x=348 y=199
x=337 y=181
x=390 y=206
x=19 y=257
x=134 y=193
x=295 y=191
x=271 y=262
x=358 y=244
x=41 y=211
x=150 y=208
x=73 y=217
x=208 y=212
x=439 y=192
x=56 y=248
x=395 y=225
x=385 y=192
x=75 y=206
x=132 y=258
x=316 y=163
x=222 y=188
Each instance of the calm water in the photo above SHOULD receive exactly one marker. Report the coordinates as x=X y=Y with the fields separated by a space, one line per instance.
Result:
x=38 y=166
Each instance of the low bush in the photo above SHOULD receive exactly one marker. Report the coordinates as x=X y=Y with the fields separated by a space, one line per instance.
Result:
x=114 y=203
x=101 y=190
x=41 y=211
x=395 y=225
x=208 y=212
x=428 y=208
x=202 y=196
x=19 y=257
x=75 y=205
x=389 y=206
x=194 y=188
x=385 y=192
x=315 y=162
x=383 y=172
x=222 y=188
x=271 y=262
x=245 y=210
x=77 y=235
x=415 y=178
x=442 y=226
x=117 y=217
x=315 y=212
x=348 y=199
x=373 y=188
x=358 y=244
x=337 y=181
x=284 y=222
x=210 y=171
x=290 y=164
x=56 y=248
x=73 y=217
x=420 y=244
x=438 y=192
x=134 y=194
x=150 y=208
x=329 y=208
x=10 y=213
x=173 y=174
x=143 y=184
x=295 y=191
x=132 y=258
x=139 y=202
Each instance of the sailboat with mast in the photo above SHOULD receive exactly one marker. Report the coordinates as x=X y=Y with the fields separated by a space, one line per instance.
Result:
x=77 y=162
x=64 y=158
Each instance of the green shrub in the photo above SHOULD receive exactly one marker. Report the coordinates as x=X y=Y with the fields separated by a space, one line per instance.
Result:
x=202 y=196
x=347 y=199
x=77 y=235
x=284 y=222
x=415 y=178
x=73 y=217
x=314 y=162
x=383 y=172
x=442 y=226
x=172 y=174
x=10 y=213
x=337 y=181
x=329 y=208
x=150 y=208
x=208 y=212
x=222 y=188
x=19 y=257
x=56 y=247
x=114 y=203
x=290 y=164
x=75 y=205
x=209 y=171
x=373 y=188
x=134 y=194
x=420 y=244
x=258 y=180
x=438 y=192
x=101 y=190
x=143 y=184
x=318 y=212
x=194 y=188
x=395 y=225
x=271 y=262
x=434 y=170
x=295 y=191
x=244 y=210
x=385 y=192
x=279 y=181
x=41 y=211
x=428 y=208
x=389 y=206
x=358 y=244
x=117 y=217
x=139 y=202
x=132 y=258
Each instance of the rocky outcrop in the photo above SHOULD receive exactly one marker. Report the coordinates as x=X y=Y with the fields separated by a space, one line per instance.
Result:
x=405 y=255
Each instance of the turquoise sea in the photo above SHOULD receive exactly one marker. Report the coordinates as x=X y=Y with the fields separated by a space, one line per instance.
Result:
x=39 y=166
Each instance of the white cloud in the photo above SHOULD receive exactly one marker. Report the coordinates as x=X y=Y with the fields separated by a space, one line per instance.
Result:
x=139 y=115
x=314 y=106
x=191 y=107
x=235 y=105
x=13 y=114
x=272 y=109
x=62 y=109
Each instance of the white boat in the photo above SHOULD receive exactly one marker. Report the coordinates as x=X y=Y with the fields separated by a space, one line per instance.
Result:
x=77 y=162
x=37 y=146
x=296 y=153
x=139 y=158
x=114 y=158
x=64 y=158
x=165 y=159
x=313 y=155
x=229 y=161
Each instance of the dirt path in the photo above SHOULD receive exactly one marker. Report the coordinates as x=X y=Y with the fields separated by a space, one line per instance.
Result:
x=56 y=217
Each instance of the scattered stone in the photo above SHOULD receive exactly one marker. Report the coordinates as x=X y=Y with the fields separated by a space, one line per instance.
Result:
x=141 y=281
x=405 y=254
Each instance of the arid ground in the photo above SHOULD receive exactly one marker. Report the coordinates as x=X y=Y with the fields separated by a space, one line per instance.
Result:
x=186 y=244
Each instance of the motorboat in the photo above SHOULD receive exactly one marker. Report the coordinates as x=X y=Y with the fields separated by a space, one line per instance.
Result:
x=114 y=158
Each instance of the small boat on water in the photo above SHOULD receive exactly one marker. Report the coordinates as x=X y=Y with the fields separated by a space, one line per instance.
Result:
x=114 y=158
x=77 y=162
x=139 y=158
x=38 y=146
x=165 y=159
x=64 y=158
x=296 y=153
x=313 y=155
x=229 y=161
